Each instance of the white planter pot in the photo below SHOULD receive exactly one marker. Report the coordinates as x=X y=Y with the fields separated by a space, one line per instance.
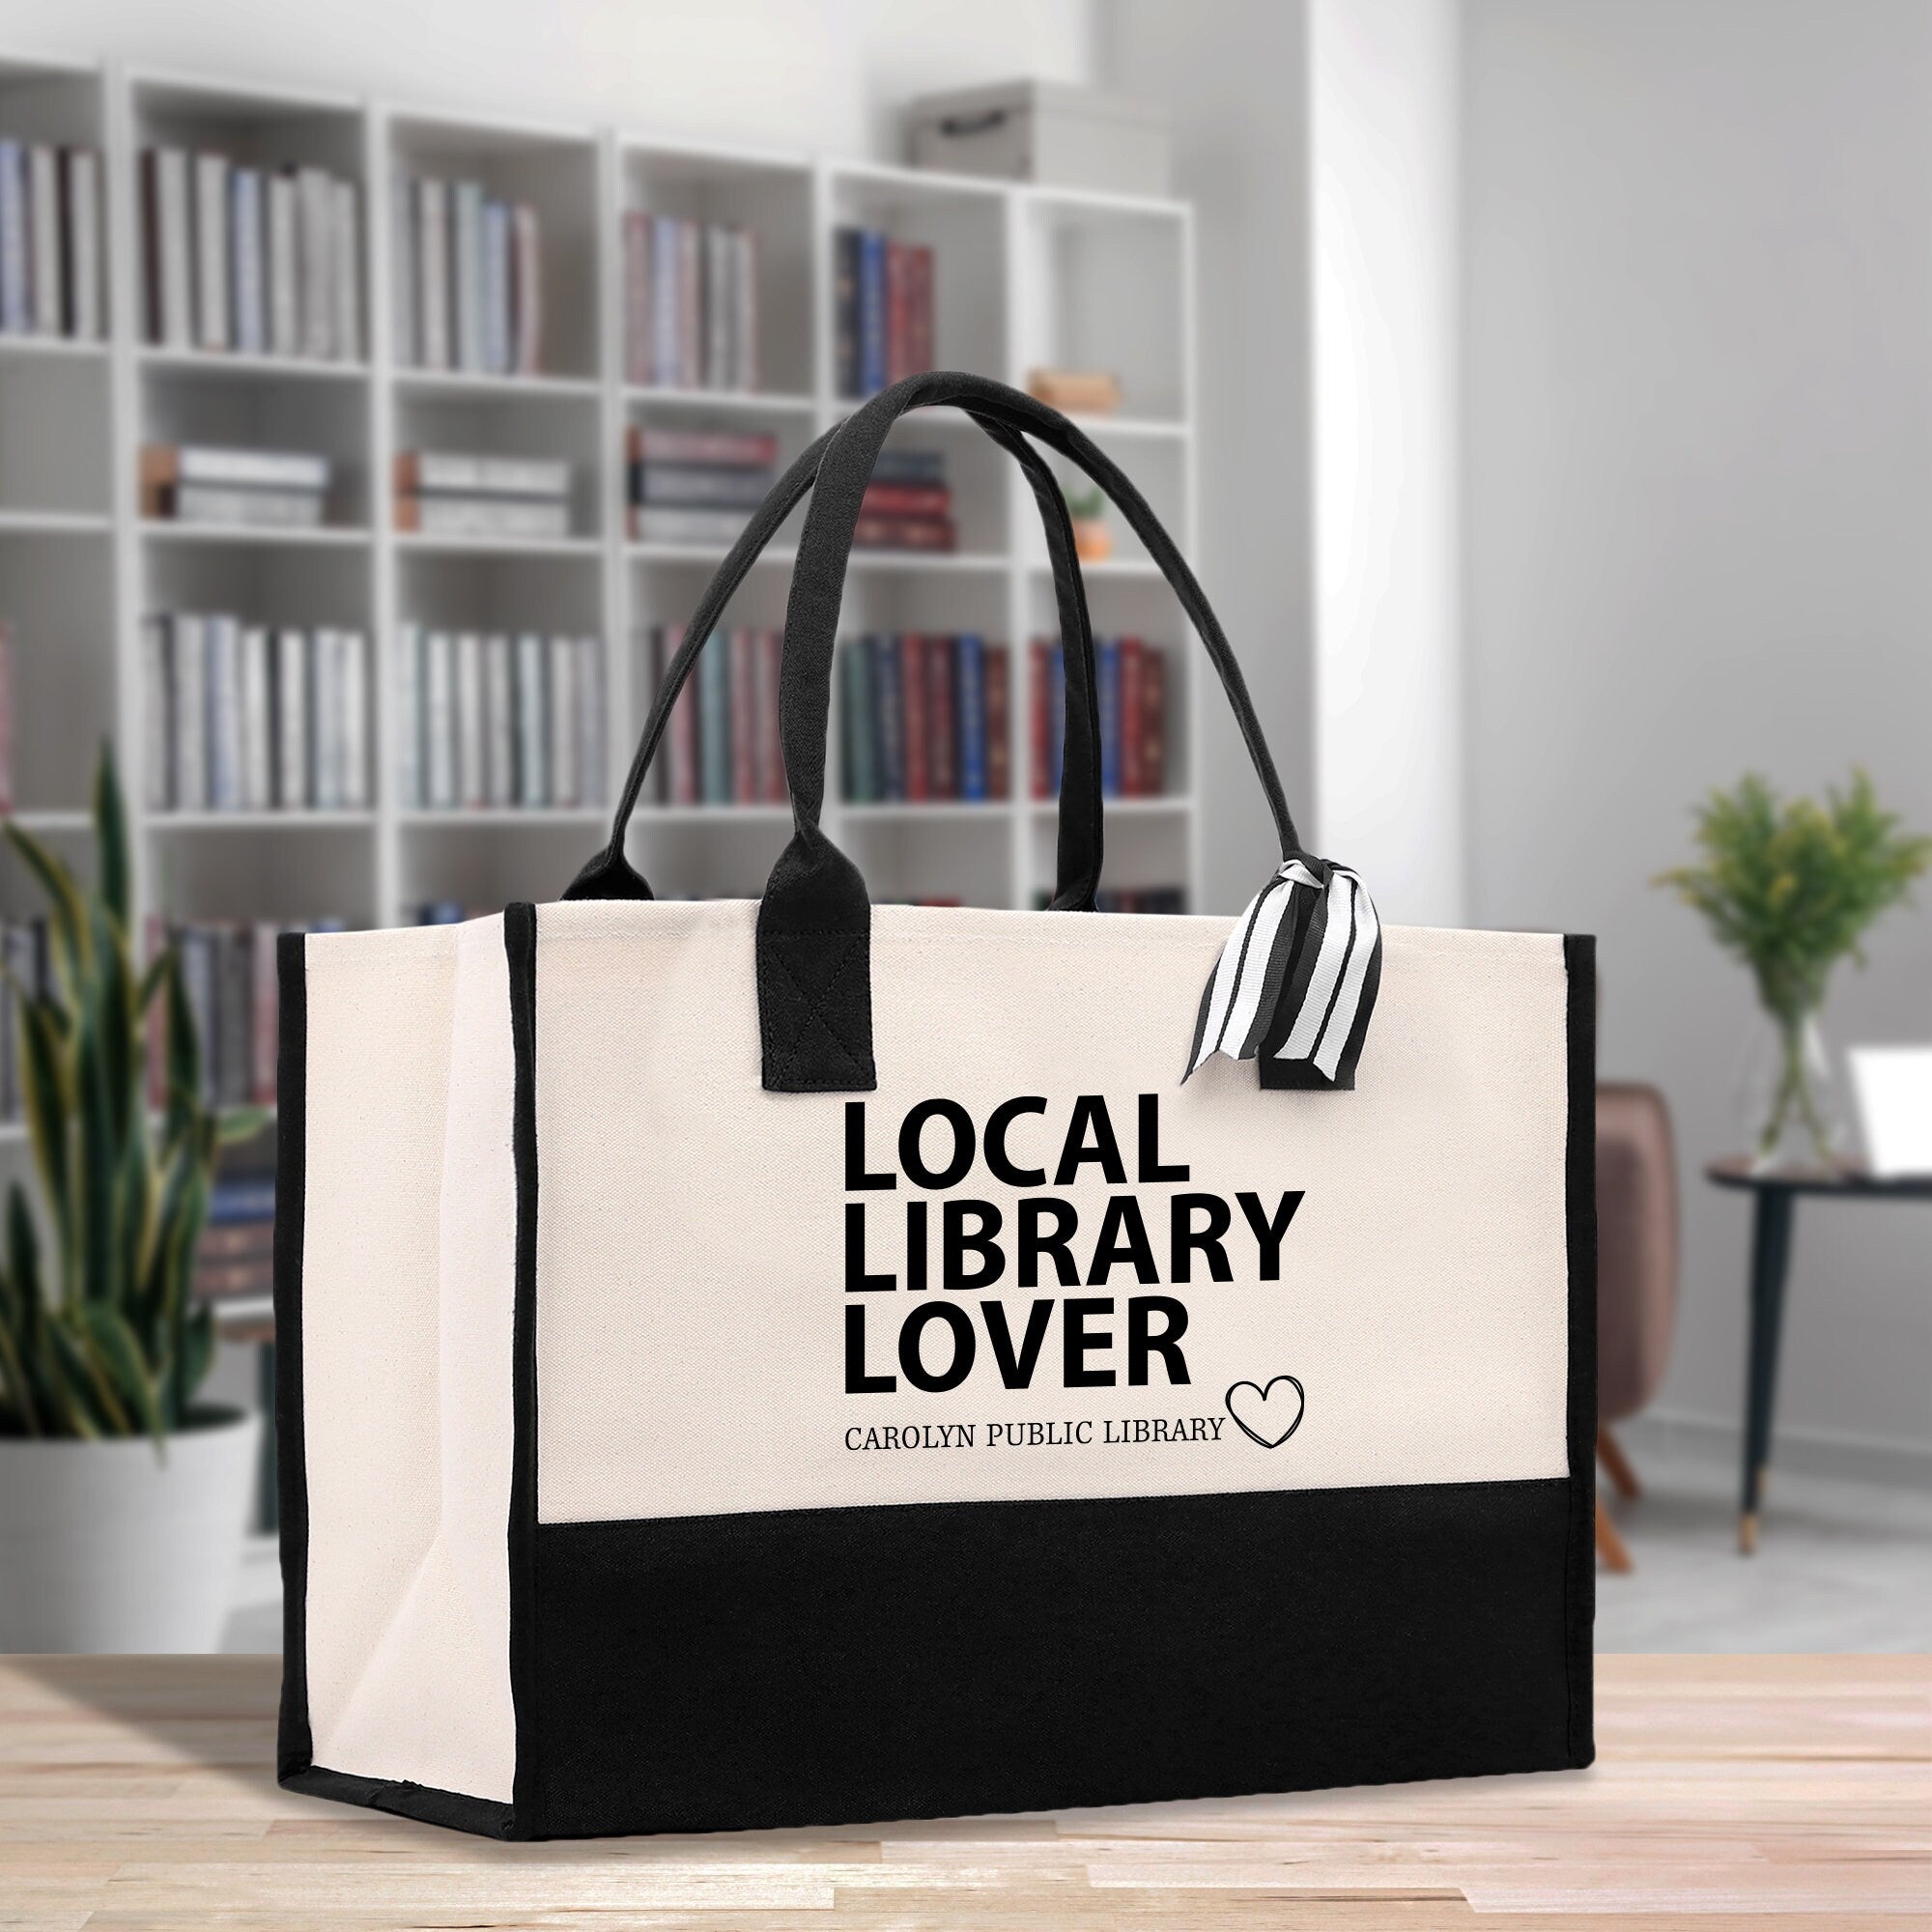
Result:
x=111 y=1546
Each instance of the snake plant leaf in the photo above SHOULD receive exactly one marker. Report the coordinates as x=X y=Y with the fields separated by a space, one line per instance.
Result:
x=64 y=896
x=152 y=981
x=120 y=1038
x=197 y=1353
x=114 y=1347
x=111 y=830
x=235 y=1125
x=45 y=1090
x=90 y=1406
x=15 y=1382
x=97 y=1173
x=184 y=1057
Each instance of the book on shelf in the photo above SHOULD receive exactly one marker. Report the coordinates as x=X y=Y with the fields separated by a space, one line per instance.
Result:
x=1131 y=689
x=245 y=717
x=498 y=719
x=721 y=742
x=50 y=240
x=1081 y=391
x=248 y=259
x=457 y=494
x=907 y=505
x=694 y=485
x=467 y=266
x=256 y=489
x=922 y=718
x=690 y=304
x=882 y=310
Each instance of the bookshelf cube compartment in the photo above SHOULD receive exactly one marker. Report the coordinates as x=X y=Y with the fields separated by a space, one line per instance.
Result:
x=255 y=409
x=269 y=136
x=1107 y=281
x=486 y=592
x=55 y=439
x=979 y=475
x=709 y=852
x=791 y=428
x=209 y=869
x=556 y=173
x=964 y=223
x=1157 y=466
x=57 y=605
x=931 y=855
x=262 y=583
x=487 y=423
x=770 y=200
x=58 y=104
x=483 y=862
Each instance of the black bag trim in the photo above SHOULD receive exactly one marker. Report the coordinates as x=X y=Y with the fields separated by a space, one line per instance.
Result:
x=813 y=1667
x=1580 y=1197
x=520 y=944
x=294 y=1746
x=456 y=1809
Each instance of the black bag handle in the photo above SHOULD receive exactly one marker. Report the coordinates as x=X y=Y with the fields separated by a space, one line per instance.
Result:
x=814 y=920
x=1077 y=874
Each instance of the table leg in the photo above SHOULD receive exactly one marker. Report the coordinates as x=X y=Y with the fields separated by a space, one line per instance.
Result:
x=1770 y=1262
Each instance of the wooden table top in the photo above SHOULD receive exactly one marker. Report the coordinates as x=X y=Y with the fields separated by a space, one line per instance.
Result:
x=136 y=1792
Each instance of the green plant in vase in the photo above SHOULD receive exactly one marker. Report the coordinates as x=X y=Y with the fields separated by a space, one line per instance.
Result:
x=100 y=1338
x=1789 y=887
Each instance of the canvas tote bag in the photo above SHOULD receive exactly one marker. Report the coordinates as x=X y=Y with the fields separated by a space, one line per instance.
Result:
x=758 y=1364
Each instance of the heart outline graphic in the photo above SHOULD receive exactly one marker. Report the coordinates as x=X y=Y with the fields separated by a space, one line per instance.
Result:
x=1301 y=1409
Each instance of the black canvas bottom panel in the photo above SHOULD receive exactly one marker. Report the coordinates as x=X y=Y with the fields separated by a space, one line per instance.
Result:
x=838 y=1665
x=455 y=1808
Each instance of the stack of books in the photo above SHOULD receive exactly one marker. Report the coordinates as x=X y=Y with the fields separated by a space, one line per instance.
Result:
x=50 y=245
x=246 y=717
x=1130 y=678
x=1093 y=392
x=908 y=504
x=235 y=1259
x=925 y=717
x=466 y=276
x=722 y=745
x=691 y=304
x=228 y=977
x=694 y=486
x=251 y=489
x=439 y=492
x=257 y=261
x=882 y=320
x=498 y=720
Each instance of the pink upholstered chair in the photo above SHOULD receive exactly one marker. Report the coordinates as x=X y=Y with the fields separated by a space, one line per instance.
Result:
x=1637 y=1275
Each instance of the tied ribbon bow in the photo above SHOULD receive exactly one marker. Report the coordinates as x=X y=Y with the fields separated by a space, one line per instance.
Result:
x=1297 y=981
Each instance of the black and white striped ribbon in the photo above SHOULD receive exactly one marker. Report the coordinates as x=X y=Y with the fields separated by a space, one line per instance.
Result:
x=1297 y=979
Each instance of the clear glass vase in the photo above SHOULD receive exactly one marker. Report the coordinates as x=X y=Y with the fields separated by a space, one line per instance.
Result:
x=1790 y=1101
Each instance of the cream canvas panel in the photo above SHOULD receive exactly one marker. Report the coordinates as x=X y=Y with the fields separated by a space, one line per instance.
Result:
x=690 y=1249
x=408 y=1301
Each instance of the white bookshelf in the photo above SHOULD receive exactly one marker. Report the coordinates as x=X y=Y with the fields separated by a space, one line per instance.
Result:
x=1025 y=276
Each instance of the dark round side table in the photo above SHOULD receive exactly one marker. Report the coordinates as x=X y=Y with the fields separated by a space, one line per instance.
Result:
x=1775 y=1207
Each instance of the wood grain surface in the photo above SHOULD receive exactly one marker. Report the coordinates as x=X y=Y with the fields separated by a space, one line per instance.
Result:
x=1792 y=1792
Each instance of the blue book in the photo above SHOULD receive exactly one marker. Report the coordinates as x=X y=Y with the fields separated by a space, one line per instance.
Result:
x=665 y=367
x=871 y=311
x=1107 y=690
x=970 y=651
x=15 y=246
x=242 y=1197
x=498 y=356
x=247 y=279
x=860 y=723
x=225 y=713
x=1056 y=718
x=889 y=716
x=714 y=717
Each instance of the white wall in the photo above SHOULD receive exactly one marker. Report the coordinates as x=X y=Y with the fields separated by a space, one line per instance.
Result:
x=1234 y=77
x=1384 y=136
x=1699 y=471
x=825 y=74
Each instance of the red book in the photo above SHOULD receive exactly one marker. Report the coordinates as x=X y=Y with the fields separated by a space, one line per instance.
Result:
x=266 y=1030
x=906 y=499
x=927 y=533
x=680 y=772
x=1040 y=672
x=766 y=720
x=998 y=721
x=942 y=717
x=920 y=355
x=1154 y=722
x=744 y=717
x=1133 y=718
x=898 y=312
x=917 y=716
